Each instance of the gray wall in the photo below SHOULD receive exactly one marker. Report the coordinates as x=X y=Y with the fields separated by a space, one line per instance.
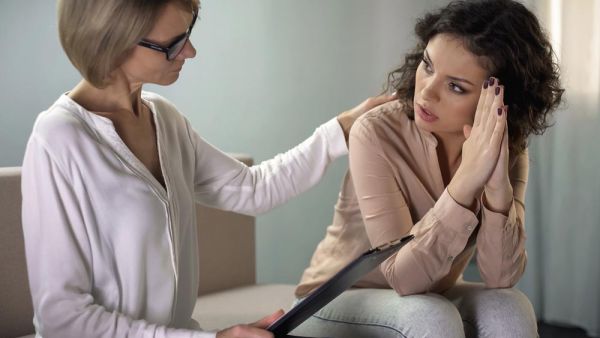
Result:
x=267 y=73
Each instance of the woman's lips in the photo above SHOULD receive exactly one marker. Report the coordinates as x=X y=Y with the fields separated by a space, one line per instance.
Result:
x=424 y=114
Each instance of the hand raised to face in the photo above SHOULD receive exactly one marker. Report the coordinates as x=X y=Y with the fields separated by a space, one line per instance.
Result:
x=481 y=150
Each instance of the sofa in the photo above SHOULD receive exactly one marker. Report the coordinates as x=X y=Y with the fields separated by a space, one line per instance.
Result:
x=226 y=296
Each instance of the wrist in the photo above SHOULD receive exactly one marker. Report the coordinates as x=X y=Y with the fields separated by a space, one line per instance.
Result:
x=463 y=193
x=498 y=200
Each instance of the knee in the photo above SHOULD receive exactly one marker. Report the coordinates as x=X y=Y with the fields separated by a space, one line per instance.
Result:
x=431 y=316
x=501 y=313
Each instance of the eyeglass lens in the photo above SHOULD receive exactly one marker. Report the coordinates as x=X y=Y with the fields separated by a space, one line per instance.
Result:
x=177 y=48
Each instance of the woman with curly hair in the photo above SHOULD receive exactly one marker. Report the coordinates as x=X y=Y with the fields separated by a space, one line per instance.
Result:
x=448 y=163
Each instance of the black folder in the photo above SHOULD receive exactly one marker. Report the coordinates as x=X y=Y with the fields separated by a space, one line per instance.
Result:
x=337 y=284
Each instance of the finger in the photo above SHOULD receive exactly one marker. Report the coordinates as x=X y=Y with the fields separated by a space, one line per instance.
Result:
x=489 y=101
x=255 y=332
x=499 y=129
x=497 y=103
x=244 y=331
x=486 y=102
x=373 y=102
x=268 y=320
x=505 y=137
x=482 y=96
x=467 y=130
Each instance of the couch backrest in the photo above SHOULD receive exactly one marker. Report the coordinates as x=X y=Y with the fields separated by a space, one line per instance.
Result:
x=226 y=243
x=229 y=234
x=16 y=312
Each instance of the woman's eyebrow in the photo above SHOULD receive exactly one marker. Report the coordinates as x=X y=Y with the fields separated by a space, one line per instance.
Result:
x=175 y=38
x=178 y=36
x=453 y=78
x=458 y=79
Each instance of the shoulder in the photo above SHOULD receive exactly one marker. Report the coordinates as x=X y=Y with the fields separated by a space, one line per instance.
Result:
x=61 y=123
x=169 y=115
x=384 y=121
x=61 y=133
x=158 y=100
x=161 y=105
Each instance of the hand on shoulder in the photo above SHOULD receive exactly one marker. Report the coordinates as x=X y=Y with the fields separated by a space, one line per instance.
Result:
x=347 y=118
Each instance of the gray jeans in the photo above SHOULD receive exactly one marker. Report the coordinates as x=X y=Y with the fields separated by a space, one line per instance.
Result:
x=466 y=310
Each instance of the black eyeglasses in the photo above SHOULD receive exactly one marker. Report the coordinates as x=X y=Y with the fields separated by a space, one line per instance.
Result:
x=176 y=47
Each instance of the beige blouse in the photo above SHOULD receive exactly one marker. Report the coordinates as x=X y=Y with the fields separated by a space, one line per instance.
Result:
x=396 y=188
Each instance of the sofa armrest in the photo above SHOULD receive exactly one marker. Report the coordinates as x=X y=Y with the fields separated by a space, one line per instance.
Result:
x=226 y=247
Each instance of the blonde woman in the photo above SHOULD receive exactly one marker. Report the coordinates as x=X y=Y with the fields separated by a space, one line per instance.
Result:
x=111 y=175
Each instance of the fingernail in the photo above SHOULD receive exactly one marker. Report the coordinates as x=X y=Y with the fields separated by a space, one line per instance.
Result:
x=506 y=109
x=485 y=84
x=395 y=93
x=497 y=90
x=499 y=111
x=491 y=81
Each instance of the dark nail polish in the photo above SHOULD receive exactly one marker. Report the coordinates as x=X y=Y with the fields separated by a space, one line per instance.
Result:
x=485 y=84
x=497 y=90
x=500 y=111
x=491 y=81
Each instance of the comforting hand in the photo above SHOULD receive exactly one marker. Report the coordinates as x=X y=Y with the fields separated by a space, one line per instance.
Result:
x=254 y=330
x=347 y=118
x=482 y=148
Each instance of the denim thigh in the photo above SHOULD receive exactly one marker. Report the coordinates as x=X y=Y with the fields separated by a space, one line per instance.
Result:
x=382 y=313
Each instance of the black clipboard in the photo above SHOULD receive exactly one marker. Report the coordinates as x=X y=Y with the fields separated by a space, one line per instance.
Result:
x=337 y=284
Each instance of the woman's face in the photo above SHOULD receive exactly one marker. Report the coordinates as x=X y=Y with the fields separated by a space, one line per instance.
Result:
x=145 y=65
x=447 y=86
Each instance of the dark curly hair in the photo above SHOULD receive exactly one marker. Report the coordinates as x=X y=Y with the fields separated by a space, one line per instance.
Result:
x=510 y=37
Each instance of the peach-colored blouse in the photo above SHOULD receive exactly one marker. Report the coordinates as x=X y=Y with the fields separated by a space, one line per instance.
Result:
x=395 y=187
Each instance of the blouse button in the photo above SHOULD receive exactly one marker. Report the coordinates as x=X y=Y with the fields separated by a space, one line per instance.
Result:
x=470 y=227
x=450 y=258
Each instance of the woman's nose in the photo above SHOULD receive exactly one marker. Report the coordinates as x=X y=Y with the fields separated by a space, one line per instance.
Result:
x=188 y=51
x=429 y=92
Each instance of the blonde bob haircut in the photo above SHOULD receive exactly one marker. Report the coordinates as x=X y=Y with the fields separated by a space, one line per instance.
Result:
x=98 y=35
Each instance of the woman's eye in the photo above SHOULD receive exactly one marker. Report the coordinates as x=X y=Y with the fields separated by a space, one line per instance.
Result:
x=456 y=88
x=427 y=66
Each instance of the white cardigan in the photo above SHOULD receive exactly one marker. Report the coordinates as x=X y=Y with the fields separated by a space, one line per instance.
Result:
x=110 y=252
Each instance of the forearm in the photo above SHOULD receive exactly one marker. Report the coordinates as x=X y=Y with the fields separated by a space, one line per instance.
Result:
x=501 y=255
x=499 y=200
x=440 y=237
x=464 y=191
x=224 y=183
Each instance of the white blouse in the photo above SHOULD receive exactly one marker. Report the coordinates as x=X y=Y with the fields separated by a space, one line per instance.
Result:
x=110 y=251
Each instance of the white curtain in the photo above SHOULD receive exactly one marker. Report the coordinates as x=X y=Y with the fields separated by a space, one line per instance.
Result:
x=563 y=200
